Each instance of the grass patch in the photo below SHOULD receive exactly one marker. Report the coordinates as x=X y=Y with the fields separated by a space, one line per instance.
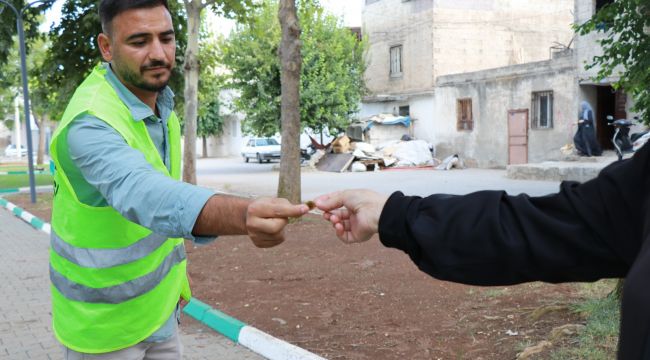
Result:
x=492 y=293
x=22 y=167
x=16 y=181
x=599 y=340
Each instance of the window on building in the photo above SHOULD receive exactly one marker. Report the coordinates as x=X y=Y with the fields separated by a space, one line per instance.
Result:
x=542 y=106
x=396 y=60
x=404 y=110
x=464 y=119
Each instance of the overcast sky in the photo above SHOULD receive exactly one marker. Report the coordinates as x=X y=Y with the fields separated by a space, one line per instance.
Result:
x=350 y=10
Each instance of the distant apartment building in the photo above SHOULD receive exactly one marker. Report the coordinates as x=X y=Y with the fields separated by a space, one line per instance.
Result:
x=495 y=81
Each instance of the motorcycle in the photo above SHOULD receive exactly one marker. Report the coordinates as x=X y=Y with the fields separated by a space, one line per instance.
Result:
x=623 y=142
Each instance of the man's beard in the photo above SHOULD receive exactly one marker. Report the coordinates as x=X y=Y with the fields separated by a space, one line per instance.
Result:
x=137 y=80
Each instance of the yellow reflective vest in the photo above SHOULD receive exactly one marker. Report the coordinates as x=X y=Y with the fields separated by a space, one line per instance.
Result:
x=114 y=282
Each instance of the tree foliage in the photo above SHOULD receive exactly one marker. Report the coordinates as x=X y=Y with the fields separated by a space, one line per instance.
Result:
x=8 y=24
x=331 y=76
x=210 y=121
x=626 y=48
x=9 y=84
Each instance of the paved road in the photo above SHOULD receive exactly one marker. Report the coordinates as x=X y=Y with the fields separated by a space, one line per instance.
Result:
x=25 y=331
x=234 y=176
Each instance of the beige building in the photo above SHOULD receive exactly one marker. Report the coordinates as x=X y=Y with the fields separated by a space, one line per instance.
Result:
x=496 y=81
x=413 y=42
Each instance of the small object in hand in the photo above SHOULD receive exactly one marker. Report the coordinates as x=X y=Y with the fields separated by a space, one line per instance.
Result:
x=311 y=205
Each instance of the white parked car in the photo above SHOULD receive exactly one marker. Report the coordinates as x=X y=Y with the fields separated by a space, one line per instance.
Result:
x=12 y=151
x=261 y=149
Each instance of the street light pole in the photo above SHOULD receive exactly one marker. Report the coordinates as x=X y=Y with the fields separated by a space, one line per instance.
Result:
x=23 y=70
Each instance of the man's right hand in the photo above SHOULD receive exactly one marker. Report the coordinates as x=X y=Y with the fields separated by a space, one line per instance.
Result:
x=267 y=217
x=353 y=213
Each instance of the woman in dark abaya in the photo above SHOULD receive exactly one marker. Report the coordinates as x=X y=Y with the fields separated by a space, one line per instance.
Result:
x=585 y=138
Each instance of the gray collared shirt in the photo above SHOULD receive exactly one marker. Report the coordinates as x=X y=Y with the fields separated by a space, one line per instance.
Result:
x=108 y=172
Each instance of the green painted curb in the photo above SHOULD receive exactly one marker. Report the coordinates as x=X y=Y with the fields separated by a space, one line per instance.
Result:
x=3 y=202
x=196 y=308
x=226 y=325
x=18 y=211
x=215 y=319
x=9 y=190
x=37 y=223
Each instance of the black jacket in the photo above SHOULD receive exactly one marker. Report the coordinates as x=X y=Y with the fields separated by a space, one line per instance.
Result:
x=598 y=229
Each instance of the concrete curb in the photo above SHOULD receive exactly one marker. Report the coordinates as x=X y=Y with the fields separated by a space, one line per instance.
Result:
x=248 y=336
x=32 y=220
x=257 y=341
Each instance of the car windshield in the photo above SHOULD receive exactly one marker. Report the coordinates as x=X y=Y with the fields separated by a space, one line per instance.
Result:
x=265 y=142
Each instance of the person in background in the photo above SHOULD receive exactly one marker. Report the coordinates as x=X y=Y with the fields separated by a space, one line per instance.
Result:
x=585 y=139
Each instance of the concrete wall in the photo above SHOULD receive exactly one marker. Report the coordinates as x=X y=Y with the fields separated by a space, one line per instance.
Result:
x=444 y=37
x=586 y=47
x=231 y=141
x=394 y=22
x=227 y=144
x=473 y=35
x=5 y=137
x=493 y=93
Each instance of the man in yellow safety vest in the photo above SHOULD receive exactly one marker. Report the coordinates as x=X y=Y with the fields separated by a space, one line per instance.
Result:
x=120 y=212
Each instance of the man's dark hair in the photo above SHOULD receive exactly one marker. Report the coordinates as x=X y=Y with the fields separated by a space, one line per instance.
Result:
x=108 y=9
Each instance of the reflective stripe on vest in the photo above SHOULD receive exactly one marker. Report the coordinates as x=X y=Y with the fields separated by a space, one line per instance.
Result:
x=105 y=258
x=118 y=293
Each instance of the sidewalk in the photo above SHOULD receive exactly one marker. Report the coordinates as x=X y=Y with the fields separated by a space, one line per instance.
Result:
x=25 y=329
x=575 y=168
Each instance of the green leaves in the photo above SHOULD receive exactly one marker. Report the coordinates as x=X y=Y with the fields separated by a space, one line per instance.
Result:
x=626 y=48
x=332 y=69
x=8 y=24
x=210 y=121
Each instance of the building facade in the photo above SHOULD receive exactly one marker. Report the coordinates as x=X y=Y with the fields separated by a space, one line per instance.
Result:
x=496 y=82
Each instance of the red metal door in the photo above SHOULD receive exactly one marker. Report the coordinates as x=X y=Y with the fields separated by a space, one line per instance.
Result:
x=518 y=136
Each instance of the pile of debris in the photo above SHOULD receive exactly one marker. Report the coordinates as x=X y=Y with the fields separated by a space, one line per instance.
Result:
x=343 y=154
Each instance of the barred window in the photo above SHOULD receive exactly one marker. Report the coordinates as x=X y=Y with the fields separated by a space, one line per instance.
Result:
x=542 y=105
x=464 y=120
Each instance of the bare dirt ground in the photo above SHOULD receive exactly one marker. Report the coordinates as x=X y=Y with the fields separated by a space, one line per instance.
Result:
x=368 y=302
x=365 y=301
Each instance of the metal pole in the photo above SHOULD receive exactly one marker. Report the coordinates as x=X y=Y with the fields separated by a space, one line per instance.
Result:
x=18 y=143
x=23 y=68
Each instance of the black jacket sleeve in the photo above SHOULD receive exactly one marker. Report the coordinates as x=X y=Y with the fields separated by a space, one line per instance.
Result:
x=583 y=233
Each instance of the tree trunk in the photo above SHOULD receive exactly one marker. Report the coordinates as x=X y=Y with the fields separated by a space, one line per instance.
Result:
x=290 y=60
x=191 y=71
x=205 y=146
x=42 y=127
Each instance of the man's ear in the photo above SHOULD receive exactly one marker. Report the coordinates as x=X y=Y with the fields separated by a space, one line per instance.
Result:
x=104 y=43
